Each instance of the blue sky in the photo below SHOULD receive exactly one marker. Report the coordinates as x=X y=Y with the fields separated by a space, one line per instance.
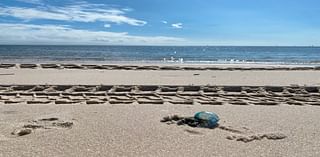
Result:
x=161 y=22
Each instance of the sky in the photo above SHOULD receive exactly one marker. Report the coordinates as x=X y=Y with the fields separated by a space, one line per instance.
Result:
x=161 y=22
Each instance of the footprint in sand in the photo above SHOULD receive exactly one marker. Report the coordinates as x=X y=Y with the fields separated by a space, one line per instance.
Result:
x=243 y=135
x=193 y=132
x=43 y=123
x=250 y=138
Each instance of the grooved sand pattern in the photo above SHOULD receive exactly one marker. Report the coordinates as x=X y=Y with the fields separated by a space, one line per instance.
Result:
x=187 y=95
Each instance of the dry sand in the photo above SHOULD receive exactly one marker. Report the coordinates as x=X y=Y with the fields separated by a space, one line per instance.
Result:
x=135 y=129
x=157 y=77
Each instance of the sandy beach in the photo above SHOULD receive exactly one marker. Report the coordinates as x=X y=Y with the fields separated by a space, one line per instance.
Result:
x=142 y=74
x=117 y=112
x=146 y=78
x=135 y=130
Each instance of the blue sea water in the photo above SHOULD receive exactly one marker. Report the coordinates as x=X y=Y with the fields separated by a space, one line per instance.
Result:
x=160 y=54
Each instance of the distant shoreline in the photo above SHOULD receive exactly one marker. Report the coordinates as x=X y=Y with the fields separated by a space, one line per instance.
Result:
x=163 y=63
x=157 y=66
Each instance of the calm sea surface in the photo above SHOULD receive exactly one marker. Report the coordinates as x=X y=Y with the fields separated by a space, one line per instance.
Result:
x=162 y=54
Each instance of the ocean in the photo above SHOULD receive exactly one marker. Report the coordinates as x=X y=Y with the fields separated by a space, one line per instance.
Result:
x=161 y=54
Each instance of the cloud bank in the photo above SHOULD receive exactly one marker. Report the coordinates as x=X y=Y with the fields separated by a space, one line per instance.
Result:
x=62 y=34
x=33 y=25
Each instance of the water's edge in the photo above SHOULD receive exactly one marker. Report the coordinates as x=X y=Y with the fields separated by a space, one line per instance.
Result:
x=222 y=55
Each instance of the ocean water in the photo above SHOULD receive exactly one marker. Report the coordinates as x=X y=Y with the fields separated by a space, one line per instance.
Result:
x=162 y=54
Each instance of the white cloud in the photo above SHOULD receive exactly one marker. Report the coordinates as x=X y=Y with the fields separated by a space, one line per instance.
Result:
x=107 y=25
x=127 y=9
x=31 y=13
x=82 y=12
x=165 y=22
x=62 y=34
x=177 y=25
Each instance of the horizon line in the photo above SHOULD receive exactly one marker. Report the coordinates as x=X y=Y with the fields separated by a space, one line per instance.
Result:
x=161 y=45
